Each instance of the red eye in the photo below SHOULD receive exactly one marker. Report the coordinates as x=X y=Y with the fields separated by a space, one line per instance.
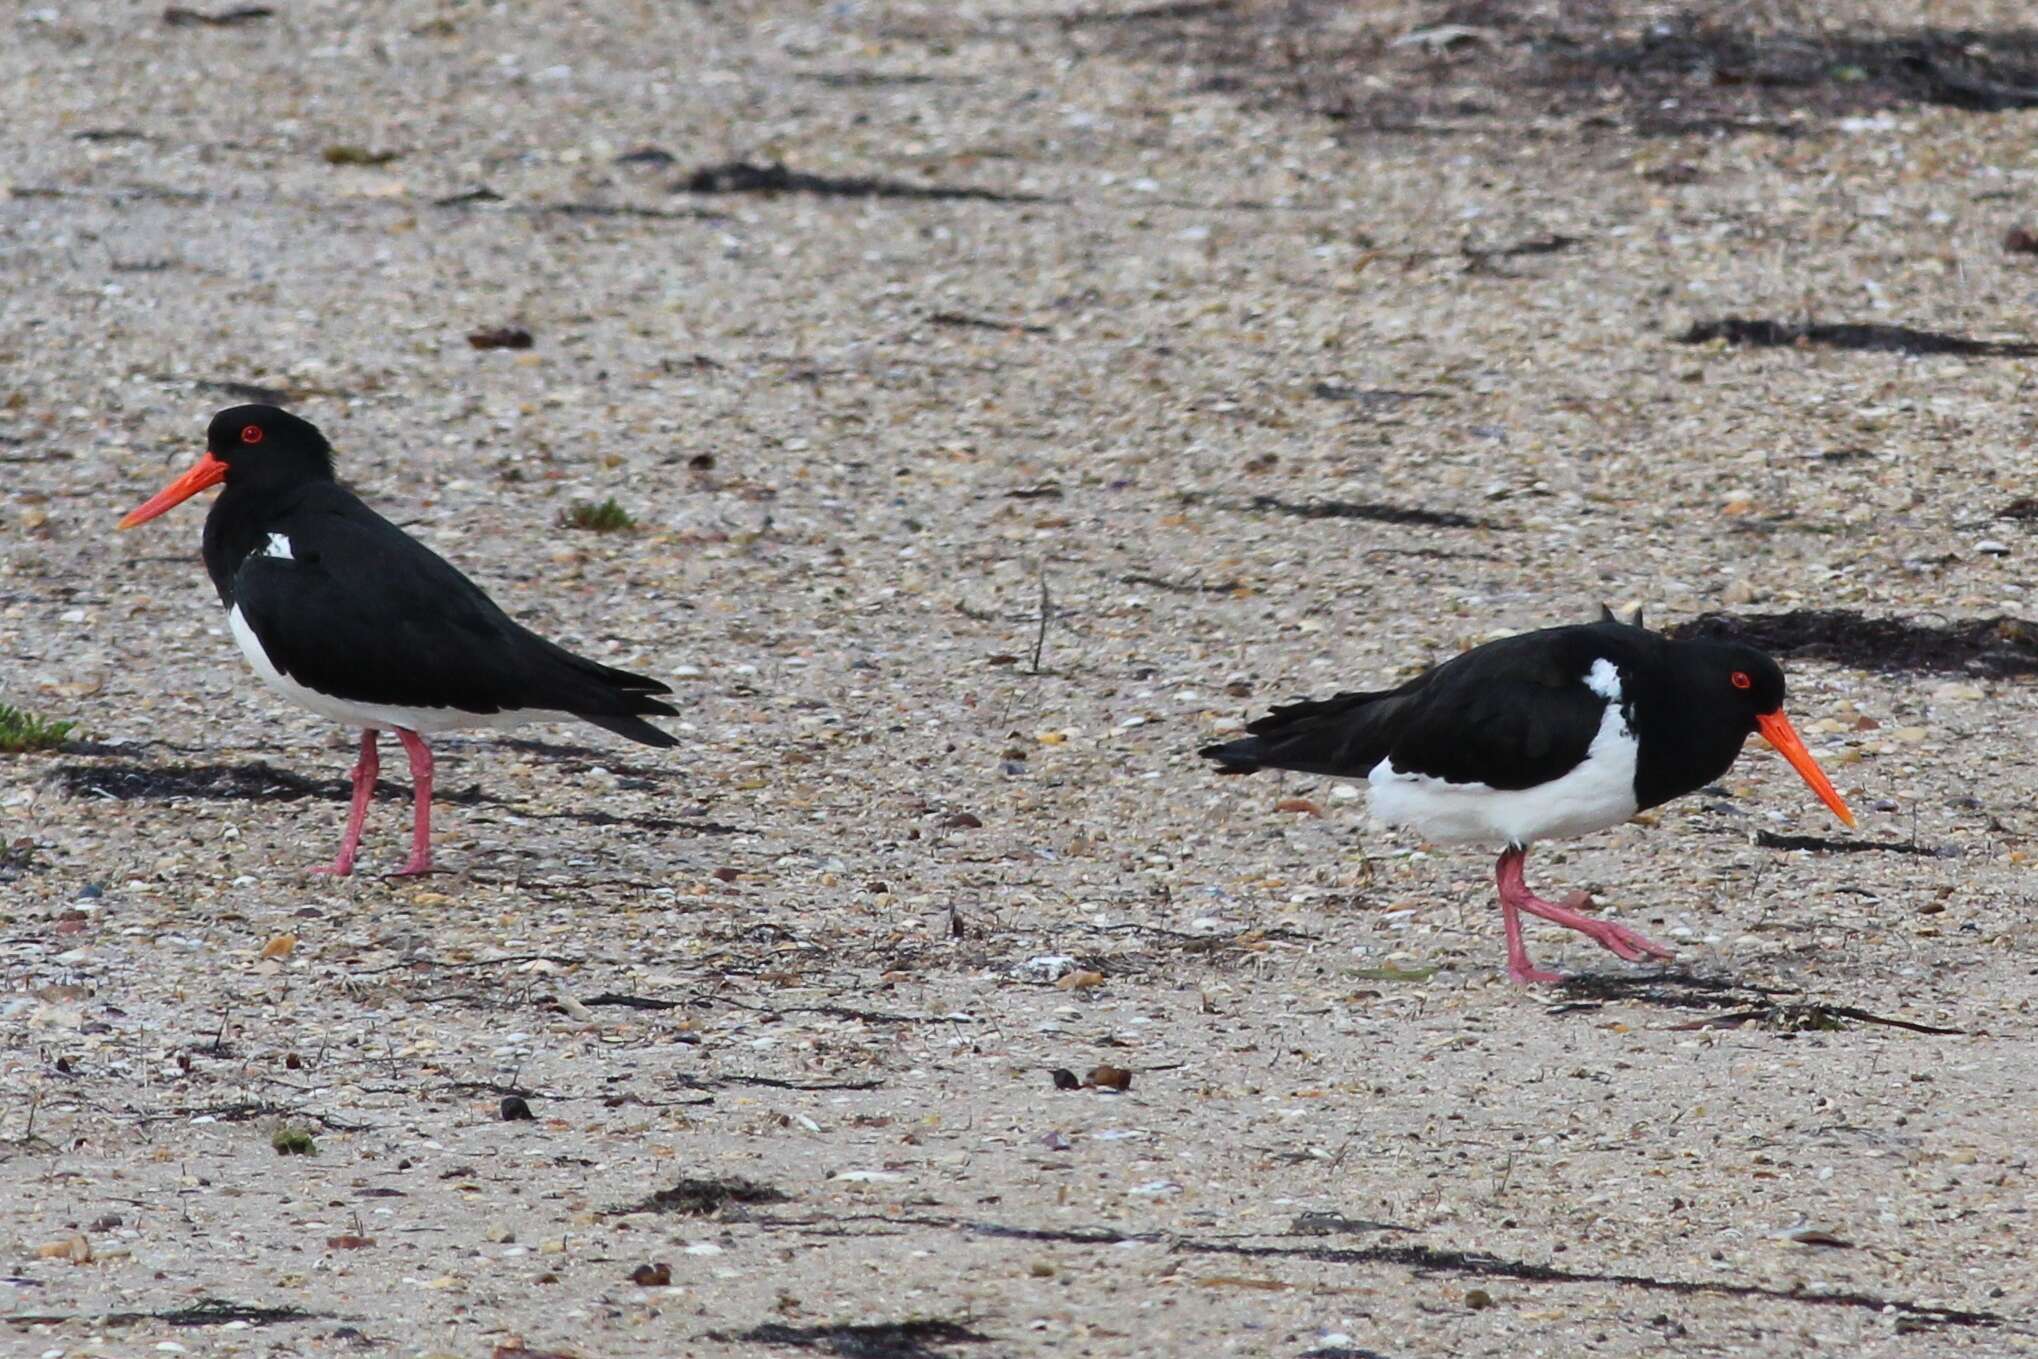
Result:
x=1739 y=679
x=251 y=434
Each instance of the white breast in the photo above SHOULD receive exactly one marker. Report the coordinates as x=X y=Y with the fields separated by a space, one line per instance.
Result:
x=1598 y=792
x=422 y=720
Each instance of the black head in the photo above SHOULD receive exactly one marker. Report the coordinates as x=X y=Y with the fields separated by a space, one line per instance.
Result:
x=1744 y=678
x=266 y=441
x=247 y=446
x=1712 y=697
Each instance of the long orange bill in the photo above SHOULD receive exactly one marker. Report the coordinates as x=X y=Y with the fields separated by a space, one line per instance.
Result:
x=207 y=471
x=1776 y=730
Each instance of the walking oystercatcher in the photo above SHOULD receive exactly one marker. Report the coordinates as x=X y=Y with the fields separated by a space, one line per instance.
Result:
x=339 y=610
x=1547 y=734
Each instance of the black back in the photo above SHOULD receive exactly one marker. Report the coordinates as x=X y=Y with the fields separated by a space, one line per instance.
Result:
x=1516 y=713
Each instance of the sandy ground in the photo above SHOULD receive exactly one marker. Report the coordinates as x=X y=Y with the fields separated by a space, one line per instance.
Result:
x=808 y=976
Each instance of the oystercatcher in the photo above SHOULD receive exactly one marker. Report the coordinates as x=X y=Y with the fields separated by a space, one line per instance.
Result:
x=342 y=612
x=1547 y=734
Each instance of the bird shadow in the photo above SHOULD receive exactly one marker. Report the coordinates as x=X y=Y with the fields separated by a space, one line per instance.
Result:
x=1859 y=336
x=1997 y=646
x=1668 y=988
x=255 y=781
x=578 y=759
x=258 y=781
x=1730 y=1002
x=1691 y=71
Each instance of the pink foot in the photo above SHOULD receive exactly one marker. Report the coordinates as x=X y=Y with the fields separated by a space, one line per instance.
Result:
x=1531 y=976
x=1515 y=897
x=1625 y=943
x=1616 y=939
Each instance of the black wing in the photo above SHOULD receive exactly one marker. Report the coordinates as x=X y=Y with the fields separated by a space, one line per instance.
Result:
x=363 y=612
x=1511 y=714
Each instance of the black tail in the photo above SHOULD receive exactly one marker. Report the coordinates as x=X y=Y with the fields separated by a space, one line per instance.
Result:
x=1235 y=757
x=636 y=728
x=614 y=700
x=1345 y=736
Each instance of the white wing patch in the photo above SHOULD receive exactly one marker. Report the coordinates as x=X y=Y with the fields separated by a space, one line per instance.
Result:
x=279 y=546
x=1602 y=679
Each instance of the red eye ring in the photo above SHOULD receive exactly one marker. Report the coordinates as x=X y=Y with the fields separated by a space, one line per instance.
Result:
x=1739 y=679
x=251 y=434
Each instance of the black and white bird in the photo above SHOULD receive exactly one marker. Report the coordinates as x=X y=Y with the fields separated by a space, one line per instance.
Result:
x=340 y=611
x=1540 y=736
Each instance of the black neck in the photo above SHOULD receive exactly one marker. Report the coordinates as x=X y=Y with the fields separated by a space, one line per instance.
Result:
x=1687 y=737
x=240 y=522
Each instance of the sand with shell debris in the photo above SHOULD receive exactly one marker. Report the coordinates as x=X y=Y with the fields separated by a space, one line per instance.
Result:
x=1264 y=349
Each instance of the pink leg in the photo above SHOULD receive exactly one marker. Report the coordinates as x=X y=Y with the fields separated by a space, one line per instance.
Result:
x=1519 y=968
x=421 y=795
x=1515 y=896
x=365 y=770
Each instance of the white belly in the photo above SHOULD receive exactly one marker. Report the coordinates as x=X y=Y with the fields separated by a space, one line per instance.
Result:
x=421 y=720
x=1598 y=793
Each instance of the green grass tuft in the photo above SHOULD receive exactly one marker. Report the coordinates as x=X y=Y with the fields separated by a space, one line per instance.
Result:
x=290 y=1141
x=22 y=731
x=607 y=517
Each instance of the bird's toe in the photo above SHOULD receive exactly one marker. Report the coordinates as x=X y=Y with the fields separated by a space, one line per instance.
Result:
x=1627 y=944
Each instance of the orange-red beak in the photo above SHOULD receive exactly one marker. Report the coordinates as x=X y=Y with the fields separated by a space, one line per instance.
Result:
x=207 y=471
x=1776 y=730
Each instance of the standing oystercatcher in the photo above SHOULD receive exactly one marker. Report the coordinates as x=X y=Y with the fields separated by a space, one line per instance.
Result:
x=1553 y=733
x=339 y=610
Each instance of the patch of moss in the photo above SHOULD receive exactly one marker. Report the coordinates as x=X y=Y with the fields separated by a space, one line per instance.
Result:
x=24 y=731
